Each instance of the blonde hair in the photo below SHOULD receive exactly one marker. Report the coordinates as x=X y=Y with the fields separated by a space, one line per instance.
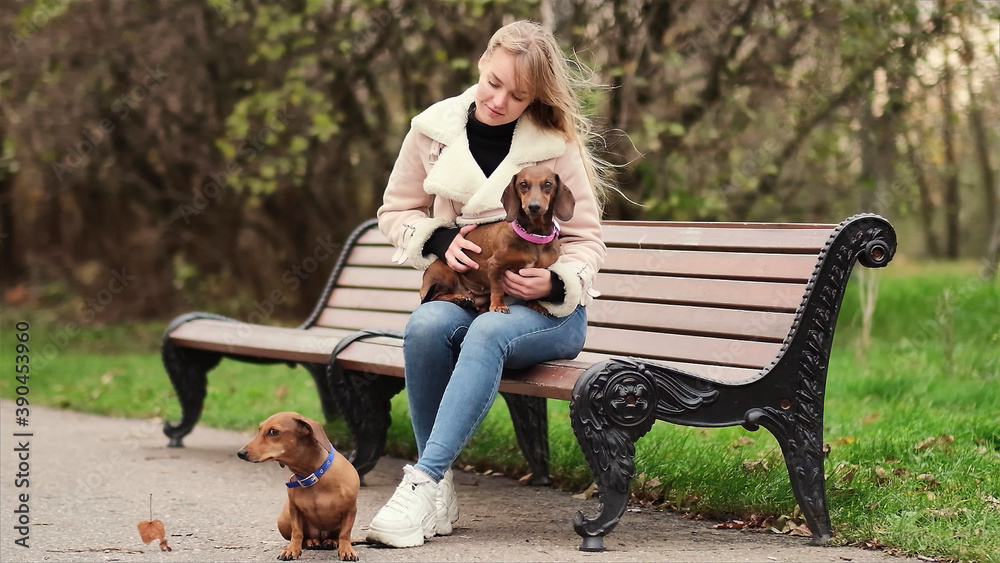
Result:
x=555 y=84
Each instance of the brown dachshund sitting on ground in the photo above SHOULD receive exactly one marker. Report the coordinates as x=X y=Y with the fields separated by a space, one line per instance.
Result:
x=527 y=238
x=322 y=493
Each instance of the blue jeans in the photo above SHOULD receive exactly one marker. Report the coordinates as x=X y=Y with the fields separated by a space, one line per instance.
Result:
x=454 y=359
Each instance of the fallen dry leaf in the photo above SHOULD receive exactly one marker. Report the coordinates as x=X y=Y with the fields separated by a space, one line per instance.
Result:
x=870 y=544
x=150 y=530
x=990 y=499
x=591 y=490
x=870 y=418
x=759 y=464
x=846 y=471
x=16 y=295
x=944 y=440
x=801 y=530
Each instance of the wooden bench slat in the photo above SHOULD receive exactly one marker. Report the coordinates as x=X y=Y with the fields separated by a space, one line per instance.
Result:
x=752 y=325
x=730 y=265
x=373 y=256
x=554 y=379
x=723 y=374
x=383 y=278
x=681 y=347
x=358 y=355
x=372 y=236
x=766 y=296
x=357 y=319
x=785 y=238
x=776 y=296
x=256 y=340
x=798 y=237
x=403 y=301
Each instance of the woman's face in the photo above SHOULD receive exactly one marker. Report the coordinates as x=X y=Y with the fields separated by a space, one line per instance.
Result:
x=497 y=102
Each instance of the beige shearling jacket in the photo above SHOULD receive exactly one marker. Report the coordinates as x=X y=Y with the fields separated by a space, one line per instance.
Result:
x=436 y=183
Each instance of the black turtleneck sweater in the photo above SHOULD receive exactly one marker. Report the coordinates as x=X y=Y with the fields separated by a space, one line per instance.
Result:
x=489 y=145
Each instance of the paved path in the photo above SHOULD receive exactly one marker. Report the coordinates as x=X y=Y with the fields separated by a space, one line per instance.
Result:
x=90 y=477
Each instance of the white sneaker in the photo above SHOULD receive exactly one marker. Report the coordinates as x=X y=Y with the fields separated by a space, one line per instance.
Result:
x=410 y=515
x=447 y=505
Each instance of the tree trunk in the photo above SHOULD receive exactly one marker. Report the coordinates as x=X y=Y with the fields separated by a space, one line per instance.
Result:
x=989 y=184
x=933 y=245
x=952 y=198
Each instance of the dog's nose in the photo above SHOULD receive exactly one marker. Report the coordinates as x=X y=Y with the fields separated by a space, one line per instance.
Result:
x=534 y=207
x=242 y=454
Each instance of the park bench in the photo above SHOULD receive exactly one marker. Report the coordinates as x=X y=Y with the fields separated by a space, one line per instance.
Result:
x=698 y=324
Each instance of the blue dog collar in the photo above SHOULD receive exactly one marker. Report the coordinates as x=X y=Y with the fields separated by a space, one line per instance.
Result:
x=299 y=481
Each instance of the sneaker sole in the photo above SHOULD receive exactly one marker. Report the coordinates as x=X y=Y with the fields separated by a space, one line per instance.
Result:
x=395 y=539
x=408 y=538
x=443 y=529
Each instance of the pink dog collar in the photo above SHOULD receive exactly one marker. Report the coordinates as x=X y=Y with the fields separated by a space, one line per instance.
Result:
x=533 y=238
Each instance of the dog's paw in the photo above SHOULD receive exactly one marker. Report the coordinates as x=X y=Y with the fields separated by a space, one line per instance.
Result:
x=348 y=554
x=499 y=309
x=289 y=554
x=311 y=543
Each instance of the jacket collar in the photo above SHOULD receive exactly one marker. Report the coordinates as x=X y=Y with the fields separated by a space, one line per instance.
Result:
x=456 y=175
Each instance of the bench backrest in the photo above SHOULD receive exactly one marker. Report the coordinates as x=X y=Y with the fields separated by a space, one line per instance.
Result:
x=716 y=299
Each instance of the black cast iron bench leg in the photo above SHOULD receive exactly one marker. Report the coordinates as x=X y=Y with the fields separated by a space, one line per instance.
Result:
x=615 y=403
x=188 y=369
x=531 y=427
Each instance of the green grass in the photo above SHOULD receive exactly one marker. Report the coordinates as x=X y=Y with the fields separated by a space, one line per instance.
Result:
x=913 y=424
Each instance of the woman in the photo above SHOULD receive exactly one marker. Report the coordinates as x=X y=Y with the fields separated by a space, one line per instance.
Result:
x=453 y=166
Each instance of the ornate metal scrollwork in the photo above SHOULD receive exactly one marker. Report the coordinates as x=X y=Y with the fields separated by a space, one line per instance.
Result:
x=629 y=398
x=614 y=404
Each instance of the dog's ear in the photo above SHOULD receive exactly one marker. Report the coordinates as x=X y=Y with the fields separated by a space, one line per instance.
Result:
x=511 y=200
x=307 y=427
x=564 y=203
x=302 y=426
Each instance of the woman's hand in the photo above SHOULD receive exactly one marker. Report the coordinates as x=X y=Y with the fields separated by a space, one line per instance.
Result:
x=455 y=256
x=528 y=283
